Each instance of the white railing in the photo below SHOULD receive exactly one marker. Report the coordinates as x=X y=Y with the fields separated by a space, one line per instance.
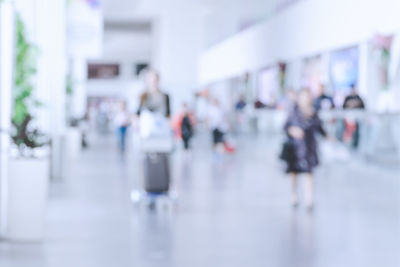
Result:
x=379 y=133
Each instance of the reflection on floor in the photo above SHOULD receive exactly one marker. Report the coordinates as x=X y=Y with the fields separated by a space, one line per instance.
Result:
x=233 y=211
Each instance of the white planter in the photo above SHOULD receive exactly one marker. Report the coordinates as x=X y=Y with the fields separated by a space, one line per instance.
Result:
x=58 y=158
x=28 y=183
x=74 y=143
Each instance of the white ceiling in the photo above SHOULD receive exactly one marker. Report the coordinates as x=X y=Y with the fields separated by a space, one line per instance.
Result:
x=228 y=15
x=132 y=10
x=146 y=9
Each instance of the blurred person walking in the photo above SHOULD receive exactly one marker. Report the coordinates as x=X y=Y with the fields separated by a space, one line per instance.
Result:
x=156 y=138
x=240 y=114
x=353 y=100
x=351 y=126
x=122 y=120
x=240 y=104
x=182 y=125
x=300 y=150
x=218 y=125
x=186 y=127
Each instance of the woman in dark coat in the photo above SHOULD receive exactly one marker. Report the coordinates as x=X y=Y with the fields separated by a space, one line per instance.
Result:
x=301 y=128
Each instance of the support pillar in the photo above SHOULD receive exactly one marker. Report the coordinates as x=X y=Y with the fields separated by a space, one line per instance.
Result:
x=7 y=18
x=51 y=40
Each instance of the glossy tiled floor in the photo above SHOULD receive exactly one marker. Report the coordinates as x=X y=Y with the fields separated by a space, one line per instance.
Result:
x=232 y=211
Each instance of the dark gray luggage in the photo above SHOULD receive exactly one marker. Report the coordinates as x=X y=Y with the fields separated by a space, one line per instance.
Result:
x=156 y=173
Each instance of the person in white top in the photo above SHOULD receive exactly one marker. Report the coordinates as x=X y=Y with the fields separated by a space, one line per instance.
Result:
x=122 y=120
x=219 y=126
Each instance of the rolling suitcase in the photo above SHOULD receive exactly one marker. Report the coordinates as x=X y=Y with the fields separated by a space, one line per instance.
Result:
x=156 y=173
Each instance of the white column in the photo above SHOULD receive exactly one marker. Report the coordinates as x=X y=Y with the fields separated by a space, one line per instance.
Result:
x=79 y=94
x=85 y=40
x=45 y=23
x=73 y=139
x=363 y=71
x=51 y=76
x=6 y=85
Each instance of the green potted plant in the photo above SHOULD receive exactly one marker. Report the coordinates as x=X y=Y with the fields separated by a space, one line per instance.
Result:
x=29 y=165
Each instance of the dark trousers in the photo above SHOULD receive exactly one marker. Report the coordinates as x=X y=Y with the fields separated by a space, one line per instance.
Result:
x=356 y=136
x=218 y=136
x=186 y=140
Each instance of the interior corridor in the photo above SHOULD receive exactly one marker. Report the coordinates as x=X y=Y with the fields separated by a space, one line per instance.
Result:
x=227 y=214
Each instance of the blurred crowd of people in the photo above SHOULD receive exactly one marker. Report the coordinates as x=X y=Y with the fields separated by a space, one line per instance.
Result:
x=302 y=126
x=156 y=106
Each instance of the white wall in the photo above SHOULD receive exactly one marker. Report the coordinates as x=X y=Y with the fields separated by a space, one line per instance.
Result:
x=79 y=88
x=178 y=38
x=126 y=48
x=172 y=48
x=231 y=16
x=179 y=44
x=126 y=86
x=132 y=46
x=307 y=28
x=85 y=40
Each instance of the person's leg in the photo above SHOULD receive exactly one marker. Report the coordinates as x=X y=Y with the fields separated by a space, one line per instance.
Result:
x=356 y=136
x=220 y=141
x=185 y=143
x=123 y=137
x=215 y=137
x=340 y=126
x=309 y=190
x=228 y=147
x=295 y=198
x=119 y=133
x=221 y=138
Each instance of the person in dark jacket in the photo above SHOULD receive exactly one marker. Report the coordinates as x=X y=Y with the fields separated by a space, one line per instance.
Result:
x=353 y=100
x=323 y=101
x=351 y=128
x=186 y=127
x=302 y=126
